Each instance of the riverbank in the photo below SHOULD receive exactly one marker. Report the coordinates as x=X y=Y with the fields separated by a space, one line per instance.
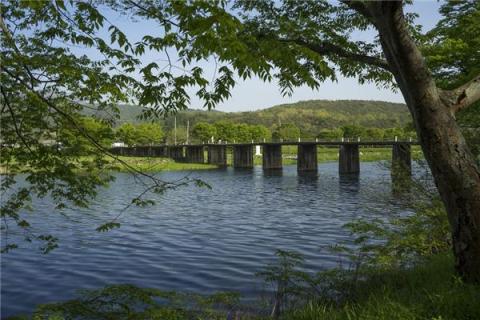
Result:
x=430 y=290
x=145 y=164
x=289 y=158
x=154 y=164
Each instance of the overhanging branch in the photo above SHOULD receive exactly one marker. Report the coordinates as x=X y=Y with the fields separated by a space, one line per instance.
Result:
x=463 y=96
x=326 y=48
x=358 y=6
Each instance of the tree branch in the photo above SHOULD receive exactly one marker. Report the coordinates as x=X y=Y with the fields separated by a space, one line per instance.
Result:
x=358 y=6
x=326 y=48
x=463 y=96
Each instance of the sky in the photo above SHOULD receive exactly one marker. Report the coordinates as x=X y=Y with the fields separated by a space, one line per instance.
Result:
x=254 y=94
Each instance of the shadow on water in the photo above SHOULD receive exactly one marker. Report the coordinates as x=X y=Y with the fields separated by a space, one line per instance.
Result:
x=308 y=177
x=401 y=185
x=273 y=172
x=349 y=182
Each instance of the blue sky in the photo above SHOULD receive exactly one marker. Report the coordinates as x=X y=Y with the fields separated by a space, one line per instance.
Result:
x=254 y=94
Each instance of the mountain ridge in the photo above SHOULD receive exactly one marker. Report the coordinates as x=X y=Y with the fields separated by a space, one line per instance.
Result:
x=309 y=115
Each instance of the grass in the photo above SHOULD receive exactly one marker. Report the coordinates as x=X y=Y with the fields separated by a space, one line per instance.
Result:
x=158 y=164
x=430 y=290
x=289 y=158
x=367 y=154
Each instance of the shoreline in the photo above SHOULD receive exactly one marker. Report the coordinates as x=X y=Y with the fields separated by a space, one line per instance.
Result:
x=161 y=164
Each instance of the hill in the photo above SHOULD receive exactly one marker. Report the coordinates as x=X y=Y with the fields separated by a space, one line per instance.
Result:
x=310 y=116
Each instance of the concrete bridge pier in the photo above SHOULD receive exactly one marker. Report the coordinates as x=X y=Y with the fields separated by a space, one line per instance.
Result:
x=144 y=151
x=307 y=157
x=272 y=156
x=217 y=155
x=132 y=152
x=157 y=151
x=401 y=171
x=176 y=153
x=349 y=161
x=243 y=156
x=119 y=151
x=160 y=151
x=401 y=159
x=164 y=151
x=194 y=154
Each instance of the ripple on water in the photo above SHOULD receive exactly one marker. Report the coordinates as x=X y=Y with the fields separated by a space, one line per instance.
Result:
x=196 y=240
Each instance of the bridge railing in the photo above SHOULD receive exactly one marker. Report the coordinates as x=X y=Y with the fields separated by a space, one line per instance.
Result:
x=282 y=141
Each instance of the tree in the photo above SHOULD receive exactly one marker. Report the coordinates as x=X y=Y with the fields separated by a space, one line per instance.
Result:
x=259 y=132
x=68 y=138
x=178 y=136
x=204 y=131
x=225 y=130
x=127 y=134
x=296 y=43
x=60 y=58
x=353 y=131
x=374 y=133
x=309 y=42
x=330 y=134
x=149 y=133
x=242 y=132
x=286 y=132
x=391 y=133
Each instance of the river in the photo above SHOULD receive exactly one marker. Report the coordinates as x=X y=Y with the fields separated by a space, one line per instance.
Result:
x=194 y=239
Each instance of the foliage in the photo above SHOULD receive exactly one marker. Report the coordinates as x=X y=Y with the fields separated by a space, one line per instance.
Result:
x=259 y=133
x=140 y=134
x=309 y=116
x=469 y=121
x=383 y=251
x=429 y=290
x=127 y=134
x=353 y=131
x=68 y=137
x=451 y=48
x=225 y=130
x=238 y=132
x=204 y=131
x=402 y=240
x=95 y=66
x=286 y=132
x=330 y=134
x=131 y=302
x=452 y=53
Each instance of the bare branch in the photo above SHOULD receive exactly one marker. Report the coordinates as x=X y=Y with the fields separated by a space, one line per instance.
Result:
x=14 y=120
x=463 y=96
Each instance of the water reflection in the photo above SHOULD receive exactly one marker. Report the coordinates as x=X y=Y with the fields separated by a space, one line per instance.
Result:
x=273 y=172
x=349 y=182
x=195 y=239
x=307 y=177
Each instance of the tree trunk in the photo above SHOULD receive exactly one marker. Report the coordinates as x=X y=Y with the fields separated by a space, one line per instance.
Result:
x=452 y=164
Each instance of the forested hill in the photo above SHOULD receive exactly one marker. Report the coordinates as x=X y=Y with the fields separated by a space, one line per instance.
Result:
x=309 y=116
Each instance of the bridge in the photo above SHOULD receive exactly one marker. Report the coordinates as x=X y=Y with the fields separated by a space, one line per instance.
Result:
x=243 y=154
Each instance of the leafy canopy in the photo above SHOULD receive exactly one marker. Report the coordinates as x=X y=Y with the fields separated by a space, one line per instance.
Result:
x=60 y=57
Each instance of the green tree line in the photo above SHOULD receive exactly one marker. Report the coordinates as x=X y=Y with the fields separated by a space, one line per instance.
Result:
x=132 y=134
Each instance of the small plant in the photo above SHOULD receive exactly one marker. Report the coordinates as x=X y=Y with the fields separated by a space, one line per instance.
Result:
x=122 y=302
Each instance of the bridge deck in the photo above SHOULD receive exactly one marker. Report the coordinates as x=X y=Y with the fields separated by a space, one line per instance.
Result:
x=318 y=143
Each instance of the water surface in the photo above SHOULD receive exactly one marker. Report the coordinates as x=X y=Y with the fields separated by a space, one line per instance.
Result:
x=194 y=239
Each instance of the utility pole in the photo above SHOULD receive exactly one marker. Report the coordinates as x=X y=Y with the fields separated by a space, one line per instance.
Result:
x=188 y=128
x=175 y=130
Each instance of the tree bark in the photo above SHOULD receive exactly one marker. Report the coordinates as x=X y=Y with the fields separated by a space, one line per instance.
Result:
x=453 y=167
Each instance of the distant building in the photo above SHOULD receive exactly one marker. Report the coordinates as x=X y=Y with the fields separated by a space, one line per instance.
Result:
x=258 y=151
x=118 y=144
